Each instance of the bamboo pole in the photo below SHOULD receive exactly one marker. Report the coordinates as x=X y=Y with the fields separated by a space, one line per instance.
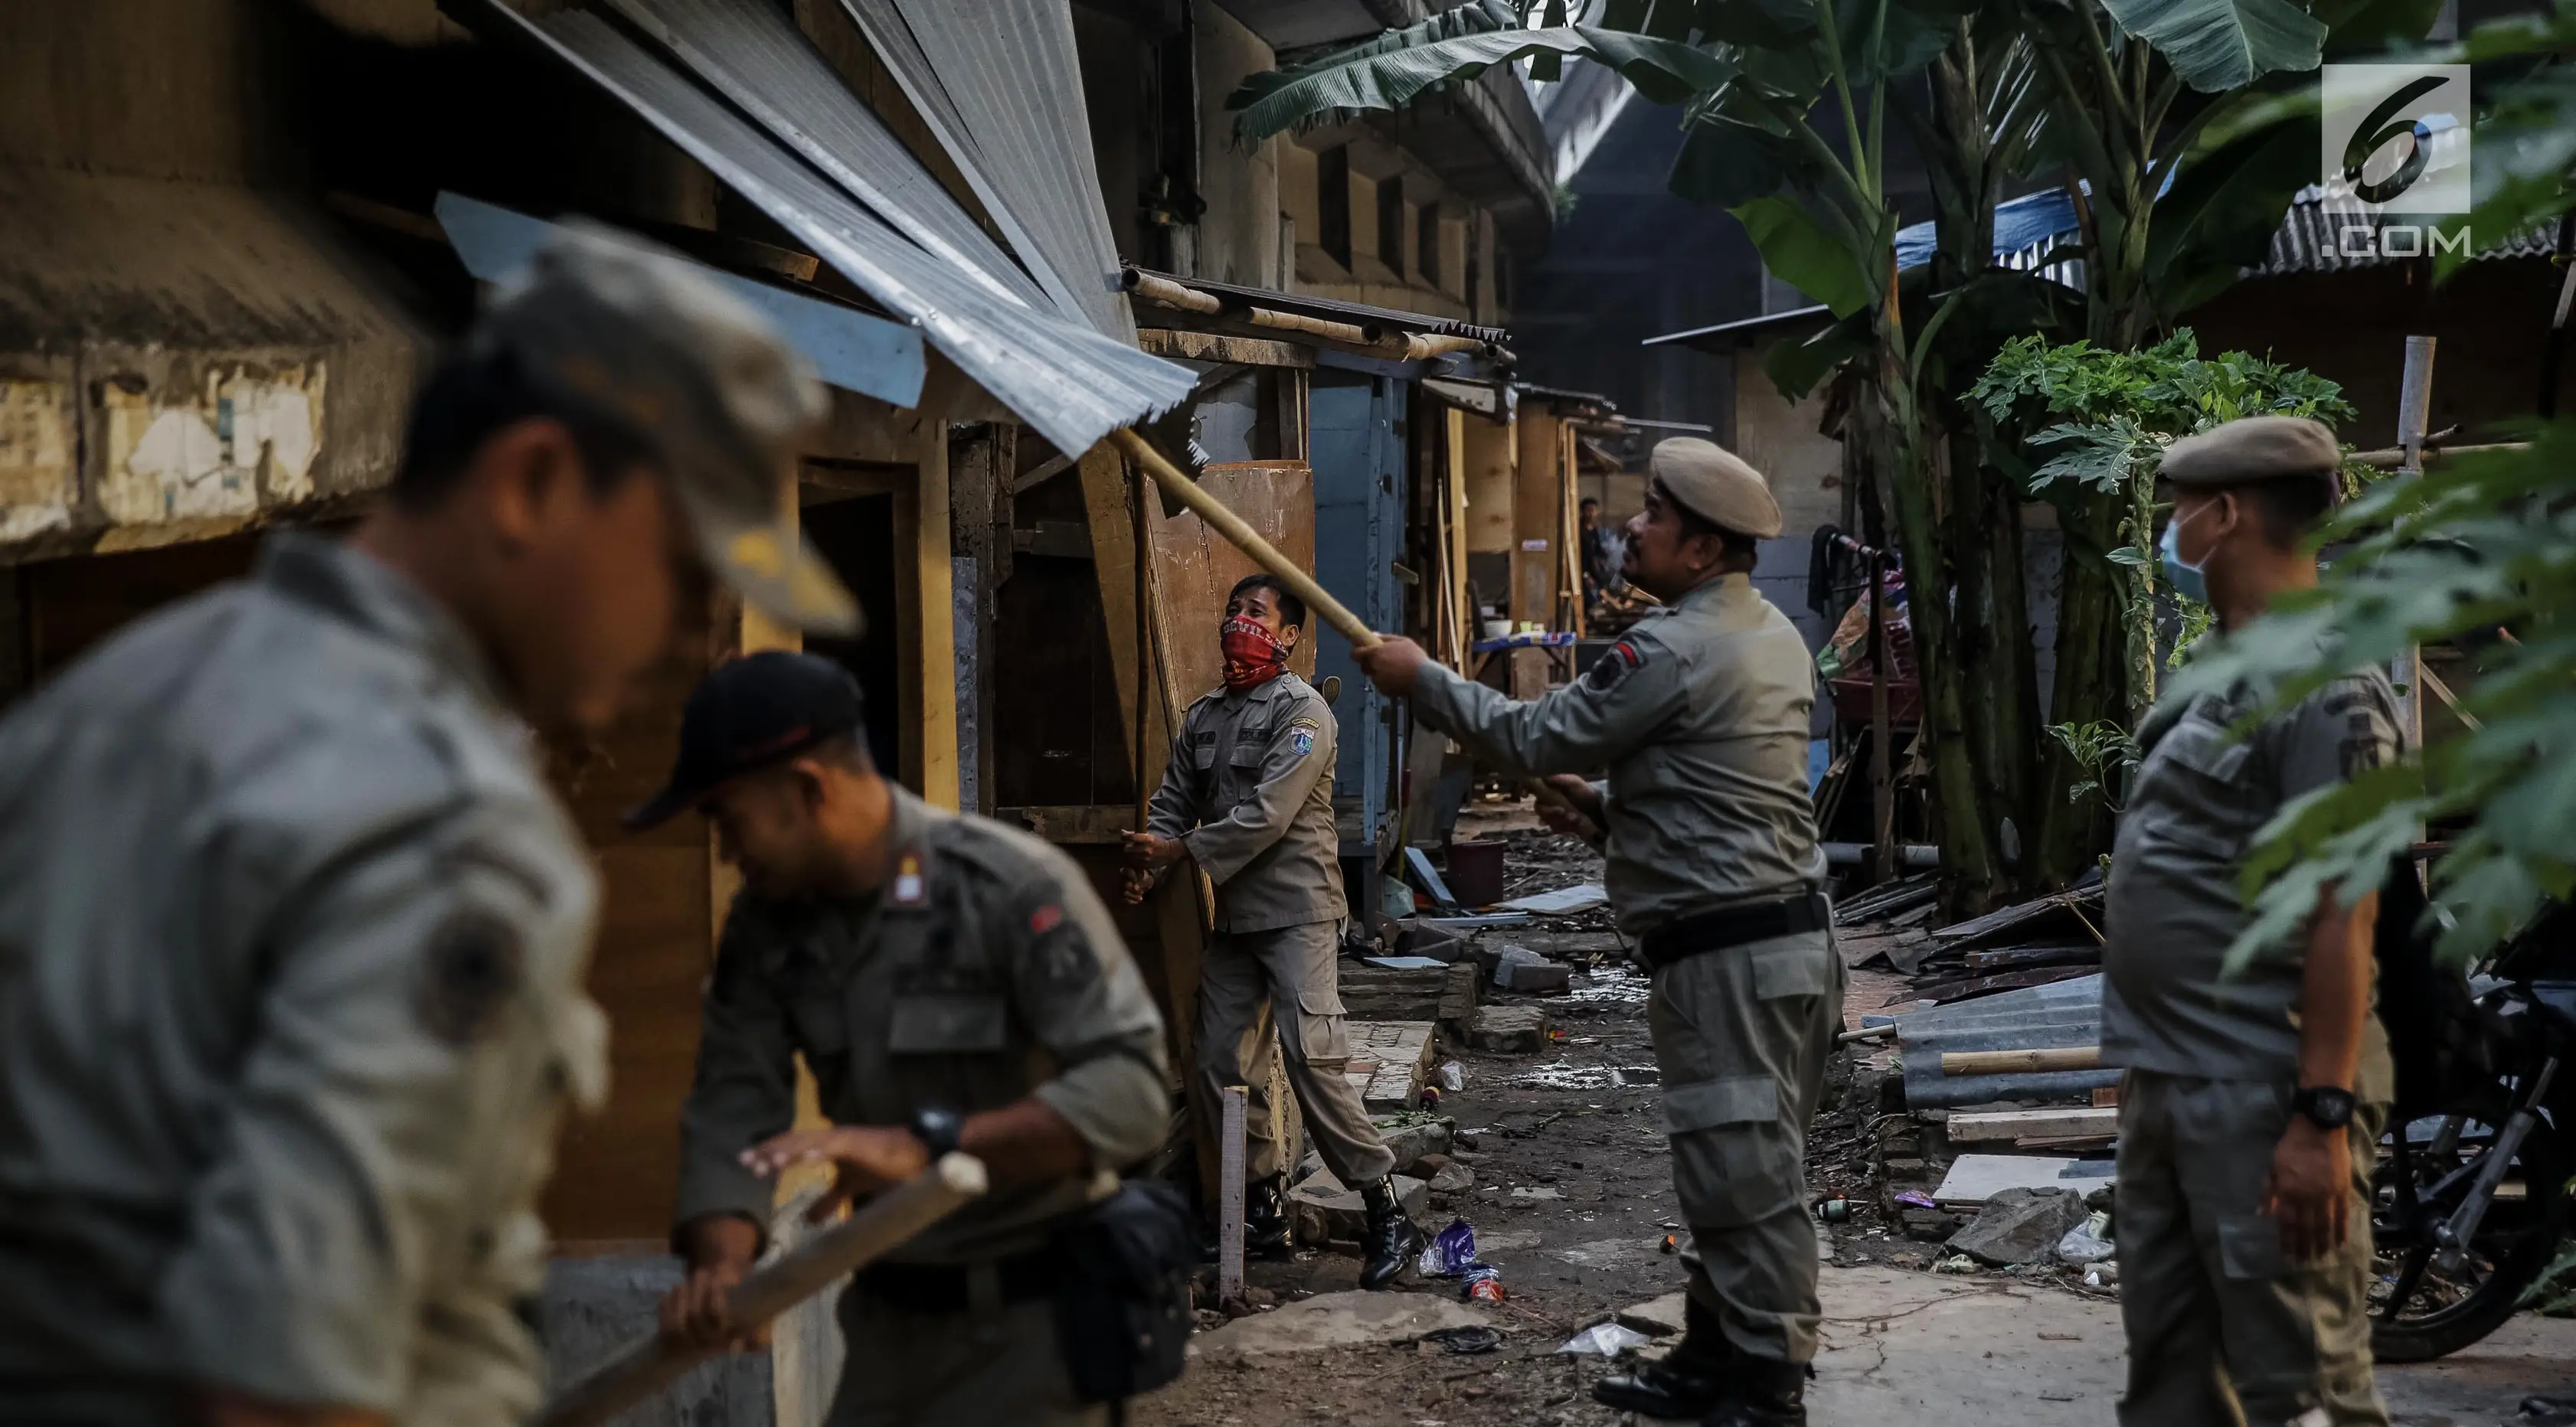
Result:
x=650 y=1364
x=2021 y=1062
x=1248 y=540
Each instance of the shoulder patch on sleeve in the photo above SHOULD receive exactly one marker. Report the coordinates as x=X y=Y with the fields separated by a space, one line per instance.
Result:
x=1615 y=663
x=471 y=968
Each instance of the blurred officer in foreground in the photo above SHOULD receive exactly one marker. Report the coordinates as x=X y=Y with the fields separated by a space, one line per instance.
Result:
x=1248 y=798
x=291 y=986
x=1700 y=714
x=2251 y=1112
x=953 y=984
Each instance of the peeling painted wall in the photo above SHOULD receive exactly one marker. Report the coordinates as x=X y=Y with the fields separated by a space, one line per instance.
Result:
x=39 y=442
x=240 y=439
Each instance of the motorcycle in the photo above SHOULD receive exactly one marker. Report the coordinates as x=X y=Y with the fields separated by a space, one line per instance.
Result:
x=2470 y=1195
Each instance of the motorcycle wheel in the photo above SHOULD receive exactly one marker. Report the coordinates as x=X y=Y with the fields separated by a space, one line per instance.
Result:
x=2419 y=1311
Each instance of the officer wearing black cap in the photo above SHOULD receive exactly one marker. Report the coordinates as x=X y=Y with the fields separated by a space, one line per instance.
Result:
x=952 y=984
x=295 y=930
x=2252 y=1108
x=1700 y=714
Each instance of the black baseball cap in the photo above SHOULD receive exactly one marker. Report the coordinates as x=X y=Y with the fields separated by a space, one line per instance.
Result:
x=753 y=713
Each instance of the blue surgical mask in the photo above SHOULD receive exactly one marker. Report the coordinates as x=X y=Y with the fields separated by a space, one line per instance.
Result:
x=2185 y=579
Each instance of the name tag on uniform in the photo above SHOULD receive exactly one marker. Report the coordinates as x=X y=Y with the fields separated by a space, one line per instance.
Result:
x=948 y=1023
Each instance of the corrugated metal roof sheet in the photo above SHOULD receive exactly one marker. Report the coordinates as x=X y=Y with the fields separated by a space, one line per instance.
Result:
x=1071 y=383
x=756 y=57
x=1000 y=85
x=2311 y=237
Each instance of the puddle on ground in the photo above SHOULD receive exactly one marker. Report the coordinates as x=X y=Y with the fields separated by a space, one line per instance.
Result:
x=1610 y=982
x=1586 y=1077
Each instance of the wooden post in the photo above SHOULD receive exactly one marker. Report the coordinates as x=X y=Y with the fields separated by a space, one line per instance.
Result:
x=934 y=614
x=1229 y=1222
x=1882 y=791
x=1462 y=627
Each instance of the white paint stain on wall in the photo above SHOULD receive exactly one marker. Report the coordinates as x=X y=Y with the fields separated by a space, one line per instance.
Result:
x=244 y=440
x=38 y=482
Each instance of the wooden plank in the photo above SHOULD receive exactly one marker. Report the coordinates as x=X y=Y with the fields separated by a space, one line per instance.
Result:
x=1538 y=497
x=934 y=623
x=2066 y=1122
x=2021 y=1062
x=1491 y=462
x=1099 y=824
x=1211 y=347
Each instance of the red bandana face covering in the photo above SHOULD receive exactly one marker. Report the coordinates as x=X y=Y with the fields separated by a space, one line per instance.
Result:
x=1252 y=657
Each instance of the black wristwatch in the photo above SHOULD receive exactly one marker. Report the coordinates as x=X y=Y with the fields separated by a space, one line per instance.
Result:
x=938 y=1129
x=2328 y=1107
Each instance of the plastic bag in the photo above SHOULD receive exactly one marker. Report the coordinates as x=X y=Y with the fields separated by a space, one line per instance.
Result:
x=1607 y=1340
x=1449 y=1254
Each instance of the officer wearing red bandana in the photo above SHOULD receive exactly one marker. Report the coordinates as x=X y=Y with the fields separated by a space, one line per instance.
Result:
x=1248 y=796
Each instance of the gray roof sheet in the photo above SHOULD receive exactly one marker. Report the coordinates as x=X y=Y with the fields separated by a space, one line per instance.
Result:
x=1000 y=85
x=1073 y=384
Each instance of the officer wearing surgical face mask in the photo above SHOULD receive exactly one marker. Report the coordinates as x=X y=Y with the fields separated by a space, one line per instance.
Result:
x=2253 y=1104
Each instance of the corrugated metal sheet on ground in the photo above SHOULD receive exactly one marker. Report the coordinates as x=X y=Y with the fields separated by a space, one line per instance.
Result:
x=999 y=83
x=1073 y=384
x=2066 y=1013
x=755 y=56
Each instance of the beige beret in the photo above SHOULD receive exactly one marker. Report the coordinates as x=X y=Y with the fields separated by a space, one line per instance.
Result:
x=1714 y=484
x=2252 y=448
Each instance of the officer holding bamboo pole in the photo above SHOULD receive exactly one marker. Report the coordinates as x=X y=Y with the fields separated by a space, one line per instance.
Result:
x=1700 y=715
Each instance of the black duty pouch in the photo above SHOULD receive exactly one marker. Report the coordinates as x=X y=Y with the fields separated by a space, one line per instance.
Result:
x=1123 y=1307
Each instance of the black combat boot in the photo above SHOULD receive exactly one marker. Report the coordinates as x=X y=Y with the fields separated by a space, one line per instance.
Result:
x=1392 y=1242
x=1762 y=1392
x=1265 y=1217
x=1687 y=1383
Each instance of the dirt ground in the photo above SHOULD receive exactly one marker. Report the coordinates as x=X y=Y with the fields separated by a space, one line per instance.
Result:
x=1572 y=1200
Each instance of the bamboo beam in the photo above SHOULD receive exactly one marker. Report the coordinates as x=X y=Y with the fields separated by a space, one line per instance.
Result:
x=2021 y=1062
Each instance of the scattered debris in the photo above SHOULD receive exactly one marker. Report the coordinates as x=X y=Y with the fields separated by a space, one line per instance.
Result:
x=1412 y=1135
x=1975 y=1178
x=2020 y=1226
x=1453 y=1077
x=1605 y=1340
x=1482 y=1281
x=1517 y=968
x=1557 y=903
x=1463 y=1342
x=2087 y=1243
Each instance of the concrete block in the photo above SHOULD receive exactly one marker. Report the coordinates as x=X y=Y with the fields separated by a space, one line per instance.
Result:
x=593 y=1307
x=1516 y=1030
x=1322 y=1210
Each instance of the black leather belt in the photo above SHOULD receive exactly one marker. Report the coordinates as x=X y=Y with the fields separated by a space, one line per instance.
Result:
x=1735 y=926
x=948 y=1288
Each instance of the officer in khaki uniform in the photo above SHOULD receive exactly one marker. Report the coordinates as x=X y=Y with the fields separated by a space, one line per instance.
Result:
x=291 y=981
x=952 y=984
x=1248 y=797
x=1701 y=715
x=2253 y=1104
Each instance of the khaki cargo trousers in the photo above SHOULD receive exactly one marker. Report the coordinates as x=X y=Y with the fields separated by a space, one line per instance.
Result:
x=2225 y=1331
x=1742 y=1035
x=1290 y=973
x=970 y=1368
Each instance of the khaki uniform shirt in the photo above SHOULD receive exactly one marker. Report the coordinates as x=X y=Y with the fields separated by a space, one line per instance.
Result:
x=1701 y=714
x=292 y=938
x=986 y=972
x=2173 y=904
x=1250 y=790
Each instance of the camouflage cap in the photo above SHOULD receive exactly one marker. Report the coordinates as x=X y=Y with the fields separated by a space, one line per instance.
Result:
x=2253 y=448
x=632 y=330
x=1716 y=485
